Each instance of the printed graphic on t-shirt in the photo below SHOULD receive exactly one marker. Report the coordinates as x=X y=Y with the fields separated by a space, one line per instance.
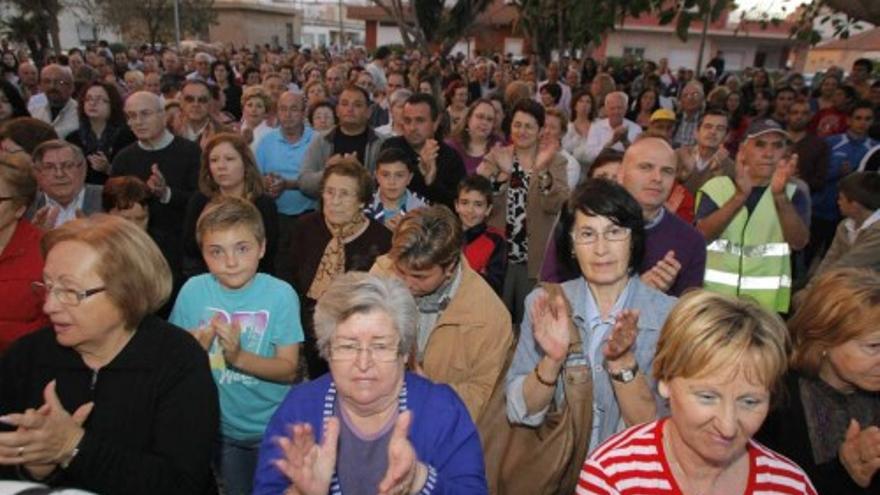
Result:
x=254 y=326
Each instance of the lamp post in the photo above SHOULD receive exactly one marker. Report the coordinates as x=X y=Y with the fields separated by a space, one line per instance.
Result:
x=177 y=24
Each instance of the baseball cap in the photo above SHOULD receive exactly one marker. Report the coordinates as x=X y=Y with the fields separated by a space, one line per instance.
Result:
x=764 y=126
x=662 y=114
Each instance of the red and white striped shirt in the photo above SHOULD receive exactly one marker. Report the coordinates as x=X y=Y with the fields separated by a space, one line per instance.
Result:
x=633 y=463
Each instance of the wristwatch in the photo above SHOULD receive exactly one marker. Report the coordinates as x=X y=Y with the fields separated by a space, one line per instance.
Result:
x=625 y=375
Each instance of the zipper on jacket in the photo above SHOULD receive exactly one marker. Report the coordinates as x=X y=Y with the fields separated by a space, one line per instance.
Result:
x=94 y=380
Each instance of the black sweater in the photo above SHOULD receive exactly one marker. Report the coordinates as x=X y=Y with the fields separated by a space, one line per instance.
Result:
x=450 y=171
x=156 y=414
x=785 y=431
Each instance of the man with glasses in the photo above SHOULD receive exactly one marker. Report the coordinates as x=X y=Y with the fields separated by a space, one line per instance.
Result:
x=280 y=157
x=464 y=330
x=691 y=109
x=59 y=109
x=168 y=164
x=675 y=253
x=197 y=125
x=63 y=195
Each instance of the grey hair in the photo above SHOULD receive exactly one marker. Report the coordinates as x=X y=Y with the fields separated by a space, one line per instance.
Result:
x=57 y=144
x=360 y=293
x=399 y=97
x=618 y=94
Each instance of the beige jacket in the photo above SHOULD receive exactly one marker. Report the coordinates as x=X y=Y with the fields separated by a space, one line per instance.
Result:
x=470 y=342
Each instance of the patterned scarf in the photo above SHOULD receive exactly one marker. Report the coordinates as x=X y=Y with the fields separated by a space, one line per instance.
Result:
x=333 y=260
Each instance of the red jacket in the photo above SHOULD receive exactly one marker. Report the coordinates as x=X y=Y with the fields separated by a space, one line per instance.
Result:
x=21 y=263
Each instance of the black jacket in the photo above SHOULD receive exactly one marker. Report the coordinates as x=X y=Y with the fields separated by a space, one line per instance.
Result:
x=156 y=415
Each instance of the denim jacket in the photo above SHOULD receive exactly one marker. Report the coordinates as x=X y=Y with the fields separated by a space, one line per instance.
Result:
x=653 y=306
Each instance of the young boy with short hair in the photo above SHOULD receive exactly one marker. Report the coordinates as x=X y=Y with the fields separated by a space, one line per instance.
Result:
x=485 y=247
x=249 y=324
x=857 y=240
x=392 y=198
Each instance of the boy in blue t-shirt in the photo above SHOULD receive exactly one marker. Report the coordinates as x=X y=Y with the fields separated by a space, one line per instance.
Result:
x=249 y=323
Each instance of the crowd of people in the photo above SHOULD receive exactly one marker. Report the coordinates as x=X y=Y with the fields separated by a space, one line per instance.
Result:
x=311 y=272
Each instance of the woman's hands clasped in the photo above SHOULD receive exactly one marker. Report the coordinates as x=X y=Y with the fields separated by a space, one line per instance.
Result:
x=310 y=466
x=44 y=437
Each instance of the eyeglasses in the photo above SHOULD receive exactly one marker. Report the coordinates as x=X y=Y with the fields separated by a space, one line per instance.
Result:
x=192 y=99
x=142 y=115
x=380 y=352
x=58 y=168
x=8 y=198
x=615 y=233
x=56 y=82
x=343 y=195
x=67 y=297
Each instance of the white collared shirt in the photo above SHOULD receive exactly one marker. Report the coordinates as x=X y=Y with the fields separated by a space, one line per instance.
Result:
x=66 y=213
x=850 y=225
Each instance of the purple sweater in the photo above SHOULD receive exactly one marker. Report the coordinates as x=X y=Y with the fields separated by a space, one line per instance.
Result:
x=671 y=234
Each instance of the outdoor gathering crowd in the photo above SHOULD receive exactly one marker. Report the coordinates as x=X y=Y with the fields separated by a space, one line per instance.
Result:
x=310 y=272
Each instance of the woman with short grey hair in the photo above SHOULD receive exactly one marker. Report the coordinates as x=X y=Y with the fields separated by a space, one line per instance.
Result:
x=368 y=425
x=365 y=294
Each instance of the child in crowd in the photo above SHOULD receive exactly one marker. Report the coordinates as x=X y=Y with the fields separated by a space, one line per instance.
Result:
x=485 y=248
x=392 y=199
x=249 y=324
x=857 y=241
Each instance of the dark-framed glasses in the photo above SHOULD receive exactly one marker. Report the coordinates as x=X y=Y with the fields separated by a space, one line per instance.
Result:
x=66 y=296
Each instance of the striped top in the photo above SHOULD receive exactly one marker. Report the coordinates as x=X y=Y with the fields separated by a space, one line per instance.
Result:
x=633 y=462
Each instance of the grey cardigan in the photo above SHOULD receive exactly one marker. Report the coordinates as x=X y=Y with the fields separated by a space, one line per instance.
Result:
x=321 y=149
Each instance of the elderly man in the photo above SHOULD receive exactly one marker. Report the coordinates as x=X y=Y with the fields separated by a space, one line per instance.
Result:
x=353 y=135
x=202 y=63
x=280 y=157
x=58 y=109
x=753 y=222
x=168 y=164
x=196 y=124
x=465 y=331
x=28 y=82
x=437 y=168
x=613 y=132
x=691 y=104
x=335 y=80
x=60 y=169
x=675 y=254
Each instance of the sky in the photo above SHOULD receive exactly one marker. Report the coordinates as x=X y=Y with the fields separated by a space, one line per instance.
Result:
x=771 y=6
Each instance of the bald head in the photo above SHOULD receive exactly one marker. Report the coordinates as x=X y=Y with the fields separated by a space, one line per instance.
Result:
x=145 y=116
x=648 y=173
x=57 y=82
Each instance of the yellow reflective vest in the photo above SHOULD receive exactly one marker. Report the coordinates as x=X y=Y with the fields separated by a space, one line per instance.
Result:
x=751 y=257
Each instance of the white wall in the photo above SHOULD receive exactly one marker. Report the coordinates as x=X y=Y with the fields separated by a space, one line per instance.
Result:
x=388 y=35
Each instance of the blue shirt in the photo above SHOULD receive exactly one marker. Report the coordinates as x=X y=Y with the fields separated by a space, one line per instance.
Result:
x=267 y=310
x=653 y=306
x=846 y=155
x=276 y=154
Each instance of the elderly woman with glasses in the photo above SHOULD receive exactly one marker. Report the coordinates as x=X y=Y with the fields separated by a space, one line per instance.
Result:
x=369 y=426
x=618 y=318
x=109 y=398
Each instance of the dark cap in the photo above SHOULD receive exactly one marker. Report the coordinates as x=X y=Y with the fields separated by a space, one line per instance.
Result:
x=764 y=126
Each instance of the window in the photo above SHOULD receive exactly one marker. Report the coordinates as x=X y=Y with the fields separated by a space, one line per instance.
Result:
x=634 y=52
x=289 y=29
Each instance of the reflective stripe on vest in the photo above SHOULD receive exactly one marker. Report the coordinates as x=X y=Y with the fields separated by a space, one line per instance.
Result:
x=757 y=283
x=769 y=249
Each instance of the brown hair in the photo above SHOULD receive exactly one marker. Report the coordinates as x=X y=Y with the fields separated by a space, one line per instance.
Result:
x=707 y=332
x=136 y=275
x=427 y=237
x=17 y=172
x=256 y=91
x=123 y=192
x=27 y=132
x=461 y=134
x=838 y=306
x=253 y=181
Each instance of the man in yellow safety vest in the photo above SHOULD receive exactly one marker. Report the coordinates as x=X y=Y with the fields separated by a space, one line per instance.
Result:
x=752 y=223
